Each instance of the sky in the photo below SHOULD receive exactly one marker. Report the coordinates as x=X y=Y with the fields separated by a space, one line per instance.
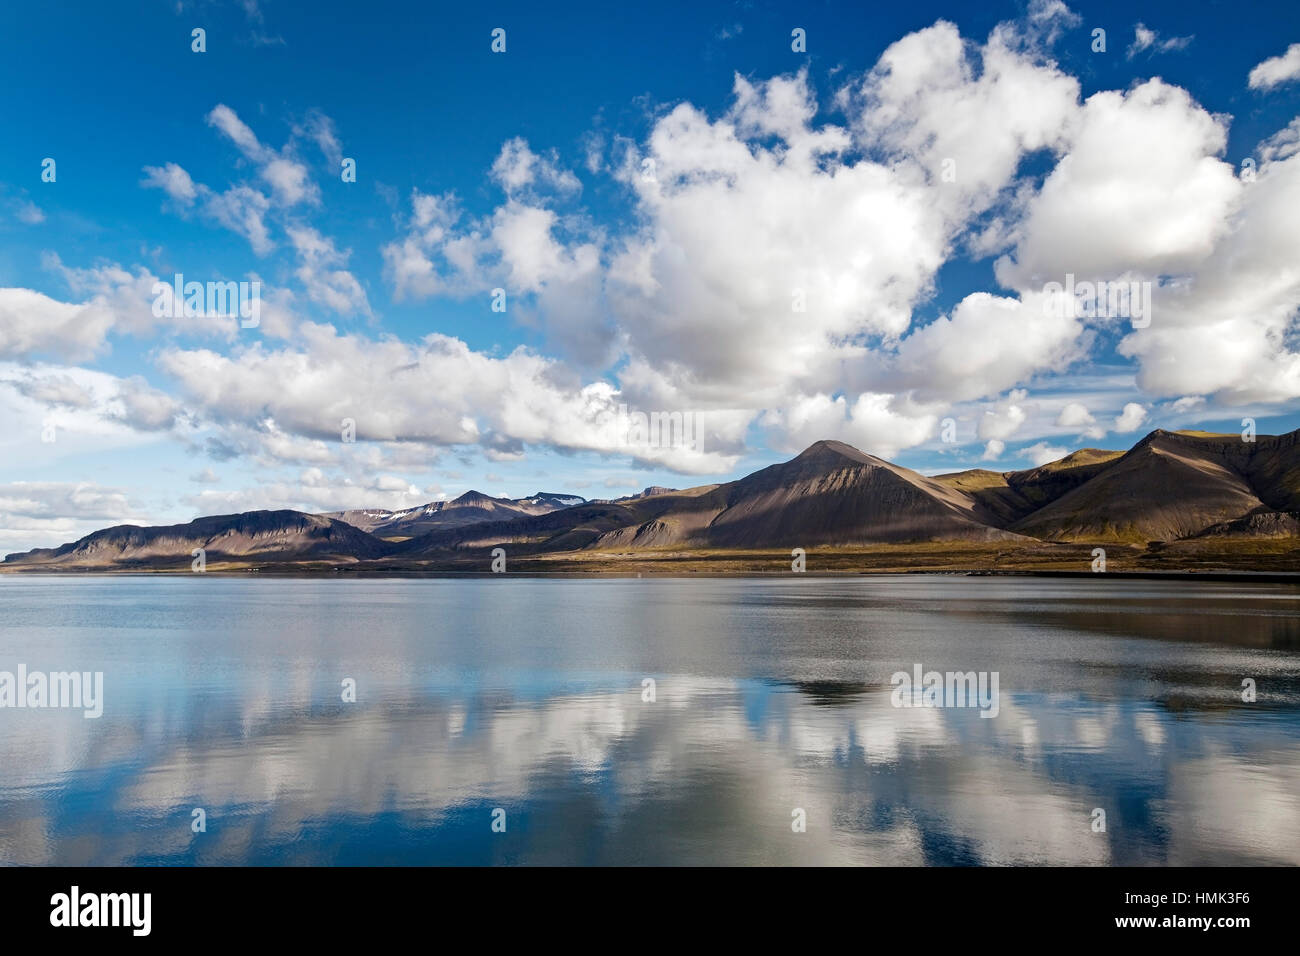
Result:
x=479 y=243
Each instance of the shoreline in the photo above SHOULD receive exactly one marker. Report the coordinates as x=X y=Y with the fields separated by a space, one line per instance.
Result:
x=1214 y=575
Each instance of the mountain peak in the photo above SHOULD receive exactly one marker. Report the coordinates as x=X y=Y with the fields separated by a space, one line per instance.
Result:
x=829 y=450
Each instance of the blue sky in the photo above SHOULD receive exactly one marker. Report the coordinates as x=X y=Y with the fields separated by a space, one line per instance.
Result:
x=774 y=176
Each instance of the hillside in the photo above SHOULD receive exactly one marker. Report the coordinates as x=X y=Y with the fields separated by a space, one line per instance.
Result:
x=1189 y=499
x=250 y=537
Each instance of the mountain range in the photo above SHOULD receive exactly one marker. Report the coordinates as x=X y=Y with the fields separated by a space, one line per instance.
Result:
x=1175 y=499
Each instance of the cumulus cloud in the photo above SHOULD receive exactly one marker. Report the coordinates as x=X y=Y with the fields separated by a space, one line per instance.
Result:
x=1277 y=70
x=1041 y=453
x=517 y=167
x=873 y=422
x=298 y=396
x=1131 y=418
x=777 y=267
x=115 y=301
x=1004 y=419
x=1075 y=415
x=1227 y=330
x=1141 y=191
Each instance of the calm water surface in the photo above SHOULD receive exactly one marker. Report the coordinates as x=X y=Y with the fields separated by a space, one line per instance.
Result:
x=770 y=695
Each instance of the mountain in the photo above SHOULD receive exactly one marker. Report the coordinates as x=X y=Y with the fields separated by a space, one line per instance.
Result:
x=472 y=507
x=831 y=494
x=1170 y=485
x=1013 y=495
x=1185 y=496
x=253 y=537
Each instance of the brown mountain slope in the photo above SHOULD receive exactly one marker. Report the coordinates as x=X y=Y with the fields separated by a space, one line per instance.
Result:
x=470 y=508
x=834 y=494
x=1182 y=490
x=1013 y=495
x=251 y=537
x=831 y=494
x=1167 y=486
x=594 y=524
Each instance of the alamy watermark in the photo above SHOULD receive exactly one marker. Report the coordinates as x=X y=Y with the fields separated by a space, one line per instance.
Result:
x=130 y=910
x=951 y=689
x=1099 y=300
x=660 y=429
x=181 y=299
x=61 y=689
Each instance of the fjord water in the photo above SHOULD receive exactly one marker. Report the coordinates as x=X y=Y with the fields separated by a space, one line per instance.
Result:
x=771 y=695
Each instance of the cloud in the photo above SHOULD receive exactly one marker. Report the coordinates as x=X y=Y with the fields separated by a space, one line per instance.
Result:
x=1147 y=39
x=36 y=513
x=517 y=167
x=768 y=263
x=1004 y=419
x=1277 y=70
x=877 y=423
x=32 y=323
x=1131 y=418
x=143 y=408
x=335 y=288
x=321 y=129
x=1140 y=191
x=242 y=210
x=290 y=402
x=237 y=131
x=1226 y=330
x=1041 y=453
x=54 y=390
x=116 y=302
x=27 y=212
x=1075 y=415
x=173 y=180
x=988 y=343
x=88 y=402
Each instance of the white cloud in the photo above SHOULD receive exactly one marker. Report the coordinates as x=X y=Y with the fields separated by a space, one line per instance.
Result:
x=335 y=288
x=237 y=131
x=517 y=167
x=873 y=422
x=1145 y=38
x=1131 y=418
x=1226 y=332
x=1005 y=418
x=1041 y=453
x=774 y=268
x=988 y=344
x=116 y=301
x=173 y=180
x=439 y=393
x=34 y=514
x=242 y=210
x=1140 y=191
x=1074 y=415
x=1277 y=70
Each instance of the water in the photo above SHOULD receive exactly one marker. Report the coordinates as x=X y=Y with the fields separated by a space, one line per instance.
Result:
x=771 y=696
